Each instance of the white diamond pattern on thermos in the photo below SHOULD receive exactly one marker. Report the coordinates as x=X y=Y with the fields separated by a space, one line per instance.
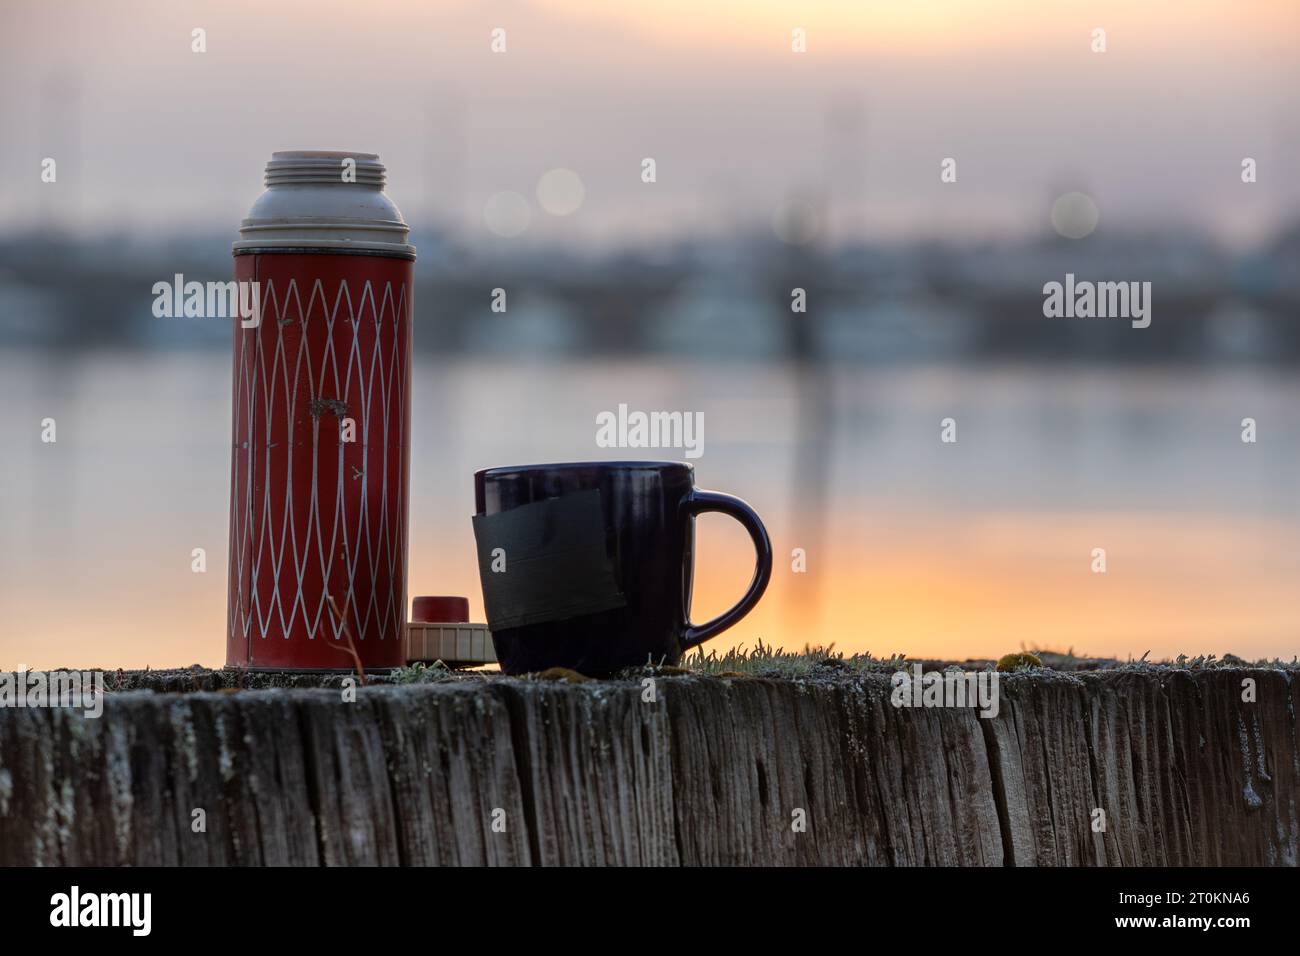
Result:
x=291 y=543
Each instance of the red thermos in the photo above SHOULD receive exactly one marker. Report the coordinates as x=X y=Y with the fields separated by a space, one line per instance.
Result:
x=321 y=438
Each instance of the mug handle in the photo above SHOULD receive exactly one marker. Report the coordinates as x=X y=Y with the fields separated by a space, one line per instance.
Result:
x=701 y=501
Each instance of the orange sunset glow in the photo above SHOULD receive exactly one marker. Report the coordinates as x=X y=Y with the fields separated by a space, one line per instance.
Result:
x=817 y=169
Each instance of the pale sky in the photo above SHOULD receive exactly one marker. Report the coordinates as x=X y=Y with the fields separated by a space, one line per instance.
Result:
x=155 y=138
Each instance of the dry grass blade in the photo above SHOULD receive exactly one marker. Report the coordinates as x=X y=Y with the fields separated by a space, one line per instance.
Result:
x=351 y=648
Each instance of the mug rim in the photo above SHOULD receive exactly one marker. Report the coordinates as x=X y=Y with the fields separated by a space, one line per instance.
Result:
x=498 y=470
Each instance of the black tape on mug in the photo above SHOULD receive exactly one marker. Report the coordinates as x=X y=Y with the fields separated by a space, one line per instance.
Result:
x=546 y=561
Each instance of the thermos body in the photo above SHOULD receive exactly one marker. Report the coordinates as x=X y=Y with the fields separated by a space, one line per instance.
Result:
x=321 y=420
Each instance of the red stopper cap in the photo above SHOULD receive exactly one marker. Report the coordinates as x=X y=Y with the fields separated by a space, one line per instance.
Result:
x=440 y=610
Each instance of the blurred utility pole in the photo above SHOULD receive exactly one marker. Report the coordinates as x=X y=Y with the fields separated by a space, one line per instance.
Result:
x=844 y=166
x=840 y=209
x=59 y=206
x=444 y=159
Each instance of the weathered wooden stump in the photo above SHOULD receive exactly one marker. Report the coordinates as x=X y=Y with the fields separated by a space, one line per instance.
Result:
x=504 y=771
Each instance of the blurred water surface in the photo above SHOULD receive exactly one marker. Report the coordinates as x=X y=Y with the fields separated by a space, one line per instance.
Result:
x=913 y=545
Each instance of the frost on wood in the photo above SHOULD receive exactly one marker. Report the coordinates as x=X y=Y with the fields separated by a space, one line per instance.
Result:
x=712 y=771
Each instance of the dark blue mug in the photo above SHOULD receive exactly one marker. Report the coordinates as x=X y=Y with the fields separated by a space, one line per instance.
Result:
x=589 y=565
